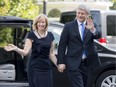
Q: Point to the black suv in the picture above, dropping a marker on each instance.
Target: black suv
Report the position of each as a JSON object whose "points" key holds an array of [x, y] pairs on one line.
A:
{"points": [[13, 66]]}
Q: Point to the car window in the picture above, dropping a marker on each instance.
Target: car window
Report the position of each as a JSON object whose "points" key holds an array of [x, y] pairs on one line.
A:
{"points": [[67, 18], [96, 17], [6, 36], [111, 25]]}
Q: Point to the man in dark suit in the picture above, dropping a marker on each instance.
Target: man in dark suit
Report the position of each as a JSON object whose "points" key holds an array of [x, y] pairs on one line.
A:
{"points": [[76, 49]]}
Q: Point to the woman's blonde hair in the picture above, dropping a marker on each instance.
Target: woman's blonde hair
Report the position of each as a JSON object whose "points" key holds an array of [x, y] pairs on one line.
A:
{"points": [[35, 21]]}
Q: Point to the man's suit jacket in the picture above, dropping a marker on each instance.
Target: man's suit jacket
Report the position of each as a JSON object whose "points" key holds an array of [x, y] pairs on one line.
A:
{"points": [[71, 46]]}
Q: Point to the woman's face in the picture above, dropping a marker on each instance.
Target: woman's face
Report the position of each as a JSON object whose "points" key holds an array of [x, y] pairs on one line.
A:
{"points": [[41, 24], [81, 15]]}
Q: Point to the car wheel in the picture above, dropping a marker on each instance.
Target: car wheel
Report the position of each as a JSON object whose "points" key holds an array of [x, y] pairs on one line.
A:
{"points": [[107, 79]]}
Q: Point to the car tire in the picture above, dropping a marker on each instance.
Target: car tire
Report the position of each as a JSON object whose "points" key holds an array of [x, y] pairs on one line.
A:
{"points": [[107, 79]]}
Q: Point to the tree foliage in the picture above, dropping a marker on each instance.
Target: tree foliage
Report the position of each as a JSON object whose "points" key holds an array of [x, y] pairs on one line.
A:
{"points": [[4, 7], [114, 5], [6, 34], [21, 8]]}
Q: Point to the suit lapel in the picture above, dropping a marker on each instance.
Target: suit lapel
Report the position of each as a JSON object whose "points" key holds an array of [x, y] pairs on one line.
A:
{"points": [[76, 30], [85, 33]]}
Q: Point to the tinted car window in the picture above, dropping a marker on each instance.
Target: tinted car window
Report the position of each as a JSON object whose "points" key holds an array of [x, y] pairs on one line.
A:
{"points": [[67, 16], [111, 25]]}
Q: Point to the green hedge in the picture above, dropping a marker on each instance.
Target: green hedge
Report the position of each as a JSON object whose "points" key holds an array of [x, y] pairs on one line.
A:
{"points": [[54, 13]]}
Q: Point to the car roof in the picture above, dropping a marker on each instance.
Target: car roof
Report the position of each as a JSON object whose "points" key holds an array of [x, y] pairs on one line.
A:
{"points": [[3, 18], [14, 21]]}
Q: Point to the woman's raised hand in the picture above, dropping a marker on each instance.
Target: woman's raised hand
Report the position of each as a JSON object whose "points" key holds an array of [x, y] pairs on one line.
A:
{"points": [[10, 47]]}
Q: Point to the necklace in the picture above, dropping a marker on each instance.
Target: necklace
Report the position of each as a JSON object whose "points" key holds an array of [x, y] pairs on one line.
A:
{"points": [[40, 35]]}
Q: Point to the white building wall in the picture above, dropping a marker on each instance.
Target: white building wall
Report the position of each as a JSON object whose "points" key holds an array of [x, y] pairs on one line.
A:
{"points": [[69, 5]]}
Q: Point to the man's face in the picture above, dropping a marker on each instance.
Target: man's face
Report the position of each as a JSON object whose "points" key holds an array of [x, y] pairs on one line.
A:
{"points": [[81, 15]]}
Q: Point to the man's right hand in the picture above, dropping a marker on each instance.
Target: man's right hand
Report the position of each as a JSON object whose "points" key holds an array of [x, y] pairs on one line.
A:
{"points": [[61, 67]]}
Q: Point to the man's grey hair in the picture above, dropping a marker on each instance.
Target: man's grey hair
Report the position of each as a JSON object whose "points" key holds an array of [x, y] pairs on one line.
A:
{"points": [[83, 7]]}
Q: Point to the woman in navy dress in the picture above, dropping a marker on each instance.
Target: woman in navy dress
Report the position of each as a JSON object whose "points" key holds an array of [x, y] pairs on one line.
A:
{"points": [[40, 42]]}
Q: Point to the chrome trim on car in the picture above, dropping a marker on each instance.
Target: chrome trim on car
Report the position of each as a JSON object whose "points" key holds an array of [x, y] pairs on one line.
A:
{"points": [[106, 55]]}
